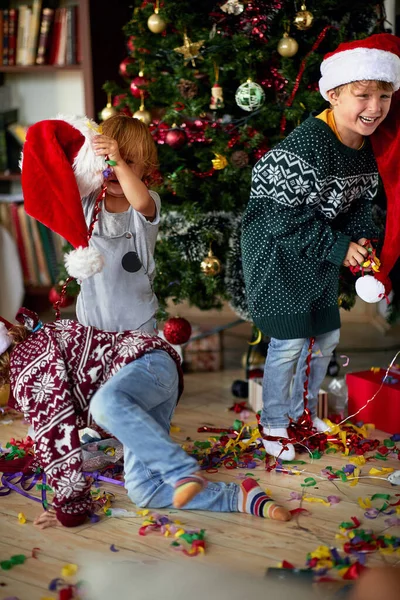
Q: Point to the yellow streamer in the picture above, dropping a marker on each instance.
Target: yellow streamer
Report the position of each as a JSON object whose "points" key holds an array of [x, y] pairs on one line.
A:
{"points": [[258, 340], [314, 499], [69, 570], [381, 471]]}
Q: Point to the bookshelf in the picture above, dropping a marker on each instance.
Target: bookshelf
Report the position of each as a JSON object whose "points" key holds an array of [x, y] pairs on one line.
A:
{"points": [[41, 91]]}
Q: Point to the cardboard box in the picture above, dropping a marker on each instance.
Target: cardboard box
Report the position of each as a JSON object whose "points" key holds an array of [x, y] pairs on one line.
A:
{"points": [[384, 410], [204, 354], [255, 398]]}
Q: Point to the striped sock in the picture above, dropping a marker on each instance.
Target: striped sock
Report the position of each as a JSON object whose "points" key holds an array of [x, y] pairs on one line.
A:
{"points": [[254, 501], [186, 489]]}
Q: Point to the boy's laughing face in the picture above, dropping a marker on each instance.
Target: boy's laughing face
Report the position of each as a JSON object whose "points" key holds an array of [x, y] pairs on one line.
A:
{"points": [[359, 109]]}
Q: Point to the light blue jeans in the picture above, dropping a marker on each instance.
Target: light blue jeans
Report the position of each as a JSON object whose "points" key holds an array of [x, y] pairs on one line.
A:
{"points": [[279, 404], [136, 406]]}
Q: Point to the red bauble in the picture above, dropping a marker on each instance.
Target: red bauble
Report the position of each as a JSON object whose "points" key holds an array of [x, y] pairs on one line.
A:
{"points": [[177, 330], [123, 66], [137, 86], [176, 138], [130, 44], [55, 296]]}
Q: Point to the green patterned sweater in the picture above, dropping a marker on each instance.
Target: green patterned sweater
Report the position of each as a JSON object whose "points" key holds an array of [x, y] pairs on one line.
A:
{"points": [[310, 196]]}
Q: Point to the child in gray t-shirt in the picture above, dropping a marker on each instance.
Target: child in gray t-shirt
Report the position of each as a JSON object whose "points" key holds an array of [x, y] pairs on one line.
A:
{"points": [[121, 296]]}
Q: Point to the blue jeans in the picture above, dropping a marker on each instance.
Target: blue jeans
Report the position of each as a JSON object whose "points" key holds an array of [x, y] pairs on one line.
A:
{"points": [[136, 406], [279, 405]]}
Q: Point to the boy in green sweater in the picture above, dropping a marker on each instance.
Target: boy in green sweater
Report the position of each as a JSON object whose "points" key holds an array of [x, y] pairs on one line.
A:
{"points": [[309, 213]]}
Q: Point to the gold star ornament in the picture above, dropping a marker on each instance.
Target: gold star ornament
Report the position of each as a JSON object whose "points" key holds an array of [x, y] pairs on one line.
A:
{"points": [[190, 50]]}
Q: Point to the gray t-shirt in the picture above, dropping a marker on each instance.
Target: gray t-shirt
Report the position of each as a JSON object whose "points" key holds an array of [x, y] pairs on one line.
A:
{"points": [[121, 296]]}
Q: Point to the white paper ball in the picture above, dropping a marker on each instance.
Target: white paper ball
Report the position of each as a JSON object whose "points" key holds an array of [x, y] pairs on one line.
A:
{"points": [[249, 96], [370, 289]]}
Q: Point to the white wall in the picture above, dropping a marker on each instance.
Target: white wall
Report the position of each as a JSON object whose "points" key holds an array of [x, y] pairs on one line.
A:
{"points": [[44, 95]]}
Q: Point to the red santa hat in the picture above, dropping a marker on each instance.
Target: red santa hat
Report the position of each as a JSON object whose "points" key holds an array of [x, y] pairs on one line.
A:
{"points": [[59, 167], [375, 58]]}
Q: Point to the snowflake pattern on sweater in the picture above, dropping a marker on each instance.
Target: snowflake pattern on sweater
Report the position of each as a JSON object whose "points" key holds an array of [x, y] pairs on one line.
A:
{"points": [[54, 374], [311, 195]]}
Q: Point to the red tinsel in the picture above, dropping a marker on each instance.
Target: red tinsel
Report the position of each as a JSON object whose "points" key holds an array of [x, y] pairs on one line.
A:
{"points": [[289, 101]]}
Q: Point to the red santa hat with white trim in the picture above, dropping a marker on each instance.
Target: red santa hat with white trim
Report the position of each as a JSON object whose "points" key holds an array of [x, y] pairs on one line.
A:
{"points": [[376, 58], [59, 167]]}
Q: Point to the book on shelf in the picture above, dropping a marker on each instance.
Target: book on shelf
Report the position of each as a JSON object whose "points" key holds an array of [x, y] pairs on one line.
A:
{"points": [[39, 32], [39, 249], [44, 36], [12, 35]]}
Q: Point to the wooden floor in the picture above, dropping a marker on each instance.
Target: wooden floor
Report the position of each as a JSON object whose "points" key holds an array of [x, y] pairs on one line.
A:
{"points": [[240, 542]]}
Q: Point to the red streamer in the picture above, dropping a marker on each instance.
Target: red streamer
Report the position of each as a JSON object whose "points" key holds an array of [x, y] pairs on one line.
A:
{"points": [[289, 101]]}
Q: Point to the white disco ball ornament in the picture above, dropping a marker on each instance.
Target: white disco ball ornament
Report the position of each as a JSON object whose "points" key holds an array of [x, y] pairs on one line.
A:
{"points": [[249, 96], [370, 289]]}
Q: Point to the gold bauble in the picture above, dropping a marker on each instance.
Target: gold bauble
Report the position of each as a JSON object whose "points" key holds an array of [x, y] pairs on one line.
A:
{"points": [[287, 46], [143, 115], [210, 265], [156, 24], [304, 19], [107, 112]]}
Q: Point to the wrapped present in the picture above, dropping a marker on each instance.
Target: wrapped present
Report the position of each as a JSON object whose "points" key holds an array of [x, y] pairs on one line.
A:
{"points": [[255, 398], [384, 410], [205, 353]]}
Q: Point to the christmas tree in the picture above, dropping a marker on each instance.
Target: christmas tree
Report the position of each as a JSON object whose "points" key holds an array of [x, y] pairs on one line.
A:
{"points": [[219, 83]]}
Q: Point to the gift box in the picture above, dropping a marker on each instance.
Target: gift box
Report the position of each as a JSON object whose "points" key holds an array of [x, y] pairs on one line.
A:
{"points": [[384, 410], [204, 354], [255, 398]]}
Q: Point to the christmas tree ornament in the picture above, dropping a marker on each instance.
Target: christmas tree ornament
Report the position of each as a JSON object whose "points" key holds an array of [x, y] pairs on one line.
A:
{"points": [[219, 162], [304, 18], [210, 265], [142, 114], [190, 50], [217, 93], [108, 111], [175, 137], [137, 85], [249, 96], [124, 65], [240, 159], [177, 331], [232, 7], [155, 23], [217, 97], [187, 89], [56, 296], [287, 46]]}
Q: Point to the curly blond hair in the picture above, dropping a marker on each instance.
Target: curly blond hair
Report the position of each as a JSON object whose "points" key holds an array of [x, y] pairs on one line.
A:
{"points": [[135, 141], [18, 334]]}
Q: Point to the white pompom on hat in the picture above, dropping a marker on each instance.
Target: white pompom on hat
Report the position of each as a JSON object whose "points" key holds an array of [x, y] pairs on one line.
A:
{"points": [[370, 289]]}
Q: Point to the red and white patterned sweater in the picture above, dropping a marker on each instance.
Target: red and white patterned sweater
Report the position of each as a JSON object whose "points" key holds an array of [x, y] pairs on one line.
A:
{"points": [[54, 374]]}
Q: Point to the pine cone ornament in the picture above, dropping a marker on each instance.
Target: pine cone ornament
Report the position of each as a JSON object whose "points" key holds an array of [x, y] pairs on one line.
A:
{"points": [[240, 159], [187, 89]]}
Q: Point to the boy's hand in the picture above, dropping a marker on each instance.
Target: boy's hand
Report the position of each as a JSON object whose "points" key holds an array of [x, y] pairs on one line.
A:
{"points": [[356, 255], [46, 519], [104, 145]]}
